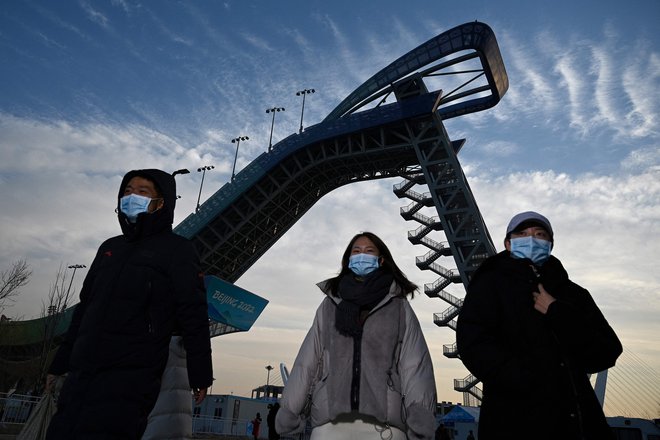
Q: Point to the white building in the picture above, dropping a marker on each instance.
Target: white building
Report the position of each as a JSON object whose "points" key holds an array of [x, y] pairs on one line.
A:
{"points": [[231, 415]]}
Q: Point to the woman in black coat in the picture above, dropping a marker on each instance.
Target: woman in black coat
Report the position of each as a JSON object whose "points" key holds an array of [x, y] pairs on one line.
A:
{"points": [[532, 336]]}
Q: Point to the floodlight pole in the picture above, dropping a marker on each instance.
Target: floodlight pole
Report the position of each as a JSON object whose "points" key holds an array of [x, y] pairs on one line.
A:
{"points": [[272, 124], [304, 93], [203, 171], [237, 141]]}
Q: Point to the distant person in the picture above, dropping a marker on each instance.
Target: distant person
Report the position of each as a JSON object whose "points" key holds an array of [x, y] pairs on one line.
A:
{"points": [[142, 287], [531, 336], [441, 433], [470, 435], [270, 421], [256, 425], [364, 370]]}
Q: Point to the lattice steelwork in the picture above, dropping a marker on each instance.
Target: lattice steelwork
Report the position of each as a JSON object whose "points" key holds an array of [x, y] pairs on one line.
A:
{"points": [[365, 139], [263, 212], [468, 241]]}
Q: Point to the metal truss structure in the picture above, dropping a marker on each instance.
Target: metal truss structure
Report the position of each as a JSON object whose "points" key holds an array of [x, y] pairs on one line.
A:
{"points": [[365, 138]]}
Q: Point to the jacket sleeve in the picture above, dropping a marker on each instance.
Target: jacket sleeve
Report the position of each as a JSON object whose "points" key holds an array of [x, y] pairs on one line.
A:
{"points": [[303, 373], [583, 331], [479, 342], [417, 379], [192, 314], [60, 363], [577, 322]]}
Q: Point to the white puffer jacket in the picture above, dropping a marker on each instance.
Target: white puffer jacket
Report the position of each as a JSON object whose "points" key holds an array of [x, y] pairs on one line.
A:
{"points": [[396, 382], [171, 417]]}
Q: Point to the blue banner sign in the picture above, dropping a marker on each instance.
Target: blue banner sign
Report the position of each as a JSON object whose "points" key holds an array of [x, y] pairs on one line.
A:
{"points": [[231, 305]]}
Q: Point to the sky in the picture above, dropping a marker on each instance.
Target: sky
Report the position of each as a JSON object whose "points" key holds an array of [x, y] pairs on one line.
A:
{"points": [[92, 89]]}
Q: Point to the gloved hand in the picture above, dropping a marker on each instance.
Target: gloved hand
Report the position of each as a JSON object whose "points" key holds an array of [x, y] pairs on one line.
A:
{"points": [[553, 276]]}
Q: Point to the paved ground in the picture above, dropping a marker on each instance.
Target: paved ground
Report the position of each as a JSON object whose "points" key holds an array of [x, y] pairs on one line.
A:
{"points": [[200, 436]]}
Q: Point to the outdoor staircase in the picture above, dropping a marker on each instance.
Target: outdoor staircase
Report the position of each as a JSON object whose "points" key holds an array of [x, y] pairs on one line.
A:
{"points": [[450, 351], [458, 219], [468, 386], [436, 249]]}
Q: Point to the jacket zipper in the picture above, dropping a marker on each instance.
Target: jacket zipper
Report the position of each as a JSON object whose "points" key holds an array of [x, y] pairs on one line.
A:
{"points": [[355, 382]]}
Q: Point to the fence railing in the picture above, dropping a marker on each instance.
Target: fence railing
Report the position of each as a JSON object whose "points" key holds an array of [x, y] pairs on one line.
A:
{"points": [[16, 408], [231, 427]]}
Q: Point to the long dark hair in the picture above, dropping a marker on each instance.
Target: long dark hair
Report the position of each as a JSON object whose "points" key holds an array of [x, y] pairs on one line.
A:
{"points": [[387, 265]]}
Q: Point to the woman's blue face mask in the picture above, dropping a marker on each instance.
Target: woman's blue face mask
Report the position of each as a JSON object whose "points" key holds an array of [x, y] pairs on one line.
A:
{"points": [[363, 264]]}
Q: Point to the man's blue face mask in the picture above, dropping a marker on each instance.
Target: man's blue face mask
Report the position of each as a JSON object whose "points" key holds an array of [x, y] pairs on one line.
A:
{"points": [[134, 204], [362, 264], [532, 248]]}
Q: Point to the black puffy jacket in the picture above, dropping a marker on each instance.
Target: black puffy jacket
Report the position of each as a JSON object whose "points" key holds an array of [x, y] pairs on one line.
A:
{"points": [[142, 287], [534, 367]]}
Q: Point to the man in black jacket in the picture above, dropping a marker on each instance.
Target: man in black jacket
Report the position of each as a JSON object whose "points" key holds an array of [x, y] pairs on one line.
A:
{"points": [[142, 287], [531, 336]]}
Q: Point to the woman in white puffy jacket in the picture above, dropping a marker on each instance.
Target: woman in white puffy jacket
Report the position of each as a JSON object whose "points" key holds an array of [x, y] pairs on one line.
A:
{"points": [[171, 417], [364, 369]]}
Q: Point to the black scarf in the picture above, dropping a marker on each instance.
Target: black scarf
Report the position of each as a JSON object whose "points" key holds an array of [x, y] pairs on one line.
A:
{"points": [[357, 294]]}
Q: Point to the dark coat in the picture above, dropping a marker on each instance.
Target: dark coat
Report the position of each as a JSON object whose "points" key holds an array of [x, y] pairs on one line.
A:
{"points": [[534, 367], [142, 287]]}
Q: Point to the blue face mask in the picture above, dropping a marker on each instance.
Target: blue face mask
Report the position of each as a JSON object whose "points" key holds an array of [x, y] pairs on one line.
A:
{"points": [[134, 204], [362, 264], [532, 248]]}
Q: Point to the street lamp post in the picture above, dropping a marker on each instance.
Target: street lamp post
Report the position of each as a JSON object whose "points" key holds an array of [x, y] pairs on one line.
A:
{"points": [[237, 141], [181, 171], [203, 171], [268, 367], [272, 124], [304, 93], [74, 267]]}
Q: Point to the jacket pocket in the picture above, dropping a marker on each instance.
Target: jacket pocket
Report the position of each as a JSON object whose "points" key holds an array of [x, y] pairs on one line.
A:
{"points": [[395, 404], [320, 406]]}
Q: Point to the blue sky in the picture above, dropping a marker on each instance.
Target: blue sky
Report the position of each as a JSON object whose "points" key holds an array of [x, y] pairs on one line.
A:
{"points": [[91, 89]]}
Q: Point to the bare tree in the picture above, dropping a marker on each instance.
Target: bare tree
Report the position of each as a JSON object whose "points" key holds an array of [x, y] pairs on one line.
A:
{"points": [[59, 294], [53, 311], [11, 280]]}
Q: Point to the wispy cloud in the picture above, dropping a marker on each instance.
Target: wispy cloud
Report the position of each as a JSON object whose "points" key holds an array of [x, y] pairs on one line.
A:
{"points": [[123, 4], [605, 86], [345, 50], [531, 91], [257, 42], [574, 85], [34, 146], [642, 85], [53, 17], [647, 158], [32, 33], [500, 148], [94, 14], [168, 32]]}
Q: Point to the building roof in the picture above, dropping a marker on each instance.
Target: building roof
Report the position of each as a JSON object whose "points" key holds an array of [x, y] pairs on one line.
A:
{"points": [[462, 414]]}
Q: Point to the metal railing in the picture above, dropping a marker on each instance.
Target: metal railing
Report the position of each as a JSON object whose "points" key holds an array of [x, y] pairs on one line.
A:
{"points": [[219, 425], [16, 408], [207, 425]]}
